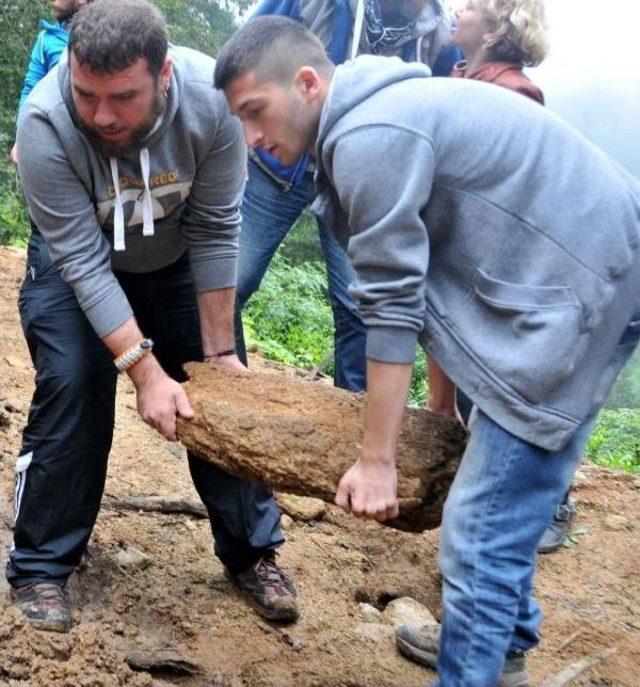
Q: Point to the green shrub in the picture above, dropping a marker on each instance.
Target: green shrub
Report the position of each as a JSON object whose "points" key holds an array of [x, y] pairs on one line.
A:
{"points": [[289, 317], [615, 441]]}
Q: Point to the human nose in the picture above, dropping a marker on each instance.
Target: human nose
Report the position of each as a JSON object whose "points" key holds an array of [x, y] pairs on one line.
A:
{"points": [[103, 115], [252, 134]]}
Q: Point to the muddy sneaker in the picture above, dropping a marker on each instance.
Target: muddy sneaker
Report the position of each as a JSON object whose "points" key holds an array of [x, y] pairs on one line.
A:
{"points": [[45, 605], [557, 530], [269, 589], [421, 643]]}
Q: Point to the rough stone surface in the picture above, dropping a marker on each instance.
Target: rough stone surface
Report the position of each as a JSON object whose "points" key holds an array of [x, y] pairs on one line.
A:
{"points": [[300, 437], [616, 523], [375, 632], [408, 611], [286, 522], [301, 507], [130, 557], [370, 614]]}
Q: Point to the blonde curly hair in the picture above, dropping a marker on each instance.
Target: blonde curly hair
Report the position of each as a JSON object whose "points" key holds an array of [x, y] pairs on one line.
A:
{"points": [[521, 30]]}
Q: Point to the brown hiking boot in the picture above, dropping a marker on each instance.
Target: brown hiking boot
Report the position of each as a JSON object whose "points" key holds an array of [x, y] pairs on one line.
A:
{"points": [[45, 605], [421, 643], [269, 589]]}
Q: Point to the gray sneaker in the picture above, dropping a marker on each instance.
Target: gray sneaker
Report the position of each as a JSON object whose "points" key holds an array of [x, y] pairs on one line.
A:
{"points": [[421, 643], [558, 528], [45, 605]]}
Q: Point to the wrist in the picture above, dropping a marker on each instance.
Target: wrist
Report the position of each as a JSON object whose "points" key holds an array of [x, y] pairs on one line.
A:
{"points": [[377, 458], [143, 370]]}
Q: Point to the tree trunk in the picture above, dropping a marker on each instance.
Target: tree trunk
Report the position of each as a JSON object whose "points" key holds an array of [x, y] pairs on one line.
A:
{"points": [[301, 437]]}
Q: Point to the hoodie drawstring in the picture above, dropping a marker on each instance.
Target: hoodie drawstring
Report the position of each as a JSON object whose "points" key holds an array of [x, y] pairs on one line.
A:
{"points": [[118, 209], [147, 203]]}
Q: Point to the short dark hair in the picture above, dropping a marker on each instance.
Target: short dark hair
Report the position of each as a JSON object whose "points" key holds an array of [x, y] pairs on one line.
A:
{"points": [[110, 35], [275, 47]]}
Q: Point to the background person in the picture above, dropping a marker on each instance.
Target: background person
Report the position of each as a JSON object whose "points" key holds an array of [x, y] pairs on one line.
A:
{"points": [[132, 257], [276, 194], [50, 43], [469, 240]]}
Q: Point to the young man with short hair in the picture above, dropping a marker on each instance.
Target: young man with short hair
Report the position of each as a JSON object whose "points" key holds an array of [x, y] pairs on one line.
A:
{"points": [[277, 194], [133, 169], [513, 260]]}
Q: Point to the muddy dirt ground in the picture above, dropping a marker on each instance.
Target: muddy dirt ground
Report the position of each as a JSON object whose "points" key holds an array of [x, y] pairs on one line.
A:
{"points": [[178, 607]]}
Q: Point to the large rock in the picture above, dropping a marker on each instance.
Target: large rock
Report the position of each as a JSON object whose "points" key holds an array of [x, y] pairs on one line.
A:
{"points": [[408, 611], [301, 507], [300, 437]]}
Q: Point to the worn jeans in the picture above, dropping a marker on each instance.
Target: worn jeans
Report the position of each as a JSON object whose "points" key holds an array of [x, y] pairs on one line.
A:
{"points": [[503, 497], [268, 214], [60, 474]]}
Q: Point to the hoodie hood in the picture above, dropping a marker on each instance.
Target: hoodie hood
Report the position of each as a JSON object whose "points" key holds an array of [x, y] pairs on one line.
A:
{"points": [[356, 81], [55, 28], [352, 84]]}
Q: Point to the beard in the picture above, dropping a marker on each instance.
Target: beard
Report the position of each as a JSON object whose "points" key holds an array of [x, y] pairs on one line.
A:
{"points": [[67, 14], [135, 140]]}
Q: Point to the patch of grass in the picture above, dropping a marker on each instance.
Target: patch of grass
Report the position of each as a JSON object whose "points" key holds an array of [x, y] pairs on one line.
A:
{"points": [[615, 441]]}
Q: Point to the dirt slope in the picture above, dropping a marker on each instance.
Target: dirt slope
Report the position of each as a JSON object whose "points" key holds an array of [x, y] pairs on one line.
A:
{"points": [[182, 607]]}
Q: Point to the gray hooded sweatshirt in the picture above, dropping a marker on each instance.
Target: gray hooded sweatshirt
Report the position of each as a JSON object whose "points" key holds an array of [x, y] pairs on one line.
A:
{"points": [[139, 212], [484, 226]]}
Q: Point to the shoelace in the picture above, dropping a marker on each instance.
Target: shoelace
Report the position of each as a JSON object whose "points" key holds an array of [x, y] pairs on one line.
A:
{"points": [[268, 570], [49, 594]]}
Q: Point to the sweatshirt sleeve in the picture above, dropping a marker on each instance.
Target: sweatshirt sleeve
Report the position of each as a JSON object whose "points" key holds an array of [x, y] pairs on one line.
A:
{"points": [[64, 213], [212, 220], [383, 177]]}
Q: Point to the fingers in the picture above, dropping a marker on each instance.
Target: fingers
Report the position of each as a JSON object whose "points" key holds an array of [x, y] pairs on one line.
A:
{"points": [[160, 409], [162, 422], [343, 497], [183, 407], [371, 506]]}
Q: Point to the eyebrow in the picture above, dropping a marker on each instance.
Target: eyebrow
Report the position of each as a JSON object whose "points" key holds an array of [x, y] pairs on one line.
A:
{"points": [[247, 103], [84, 92]]}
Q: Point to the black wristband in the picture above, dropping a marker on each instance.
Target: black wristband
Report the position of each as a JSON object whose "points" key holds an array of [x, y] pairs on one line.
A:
{"points": [[230, 351]]}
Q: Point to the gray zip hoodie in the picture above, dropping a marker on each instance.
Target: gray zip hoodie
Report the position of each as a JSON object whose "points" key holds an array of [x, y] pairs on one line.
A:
{"points": [[487, 228], [142, 211]]}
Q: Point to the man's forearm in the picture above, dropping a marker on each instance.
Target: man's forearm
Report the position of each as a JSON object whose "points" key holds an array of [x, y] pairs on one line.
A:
{"points": [[216, 309], [124, 337], [387, 389]]}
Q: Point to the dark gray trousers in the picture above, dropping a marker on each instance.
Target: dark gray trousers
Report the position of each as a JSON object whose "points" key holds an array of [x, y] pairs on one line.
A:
{"points": [[63, 462]]}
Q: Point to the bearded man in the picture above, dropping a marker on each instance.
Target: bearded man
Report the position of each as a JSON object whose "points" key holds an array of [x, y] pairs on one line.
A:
{"points": [[133, 169]]}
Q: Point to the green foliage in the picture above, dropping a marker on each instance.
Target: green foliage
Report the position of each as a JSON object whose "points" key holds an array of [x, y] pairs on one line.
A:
{"points": [[615, 441], [289, 317], [626, 392], [200, 24]]}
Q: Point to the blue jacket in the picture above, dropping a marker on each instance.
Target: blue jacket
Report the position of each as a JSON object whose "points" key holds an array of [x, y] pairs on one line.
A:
{"points": [[49, 45], [333, 23]]}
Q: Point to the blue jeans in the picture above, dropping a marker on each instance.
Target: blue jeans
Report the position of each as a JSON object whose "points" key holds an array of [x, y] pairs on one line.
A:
{"points": [[504, 495], [268, 214], [502, 499]]}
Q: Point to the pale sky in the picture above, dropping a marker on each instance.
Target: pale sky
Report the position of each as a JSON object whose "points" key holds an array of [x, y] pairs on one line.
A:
{"points": [[592, 76]]}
